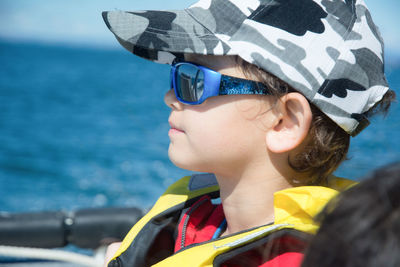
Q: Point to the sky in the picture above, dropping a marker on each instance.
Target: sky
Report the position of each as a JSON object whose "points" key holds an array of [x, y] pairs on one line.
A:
{"points": [[79, 22]]}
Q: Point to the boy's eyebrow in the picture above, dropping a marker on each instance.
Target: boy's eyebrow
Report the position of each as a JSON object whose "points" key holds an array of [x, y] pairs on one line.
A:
{"points": [[197, 59], [209, 61], [206, 60]]}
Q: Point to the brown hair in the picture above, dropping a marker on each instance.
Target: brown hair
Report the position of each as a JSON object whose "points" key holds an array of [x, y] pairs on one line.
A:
{"points": [[327, 144]]}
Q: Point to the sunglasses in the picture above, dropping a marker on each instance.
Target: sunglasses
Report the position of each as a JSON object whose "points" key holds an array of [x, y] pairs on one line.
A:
{"points": [[193, 84]]}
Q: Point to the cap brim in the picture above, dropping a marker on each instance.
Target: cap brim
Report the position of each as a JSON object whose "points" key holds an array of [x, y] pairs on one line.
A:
{"points": [[147, 33]]}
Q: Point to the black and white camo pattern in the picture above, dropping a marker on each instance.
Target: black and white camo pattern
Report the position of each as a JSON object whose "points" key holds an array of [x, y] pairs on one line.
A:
{"points": [[329, 50]]}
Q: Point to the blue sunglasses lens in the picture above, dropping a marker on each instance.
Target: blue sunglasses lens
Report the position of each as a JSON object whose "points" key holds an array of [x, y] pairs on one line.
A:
{"points": [[189, 82]]}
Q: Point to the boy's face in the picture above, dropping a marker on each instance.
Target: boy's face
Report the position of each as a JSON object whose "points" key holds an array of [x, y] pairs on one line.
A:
{"points": [[224, 133]]}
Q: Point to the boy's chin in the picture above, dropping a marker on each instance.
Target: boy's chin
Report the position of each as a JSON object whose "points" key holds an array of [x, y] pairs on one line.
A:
{"points": [[184, 163], [188, 160], [185, 166]]}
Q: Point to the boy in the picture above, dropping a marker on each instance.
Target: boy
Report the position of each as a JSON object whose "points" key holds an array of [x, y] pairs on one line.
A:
{"points": [[265, 95]]}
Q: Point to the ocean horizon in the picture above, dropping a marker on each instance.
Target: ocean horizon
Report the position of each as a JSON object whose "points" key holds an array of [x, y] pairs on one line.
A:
{"points": [[87, 127]]}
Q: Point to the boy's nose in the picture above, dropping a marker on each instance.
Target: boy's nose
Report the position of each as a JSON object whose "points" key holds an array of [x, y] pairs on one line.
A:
{"points": [[171, 101]]}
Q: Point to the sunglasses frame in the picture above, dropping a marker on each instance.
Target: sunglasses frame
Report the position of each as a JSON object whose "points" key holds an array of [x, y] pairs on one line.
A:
{"points": [[216, 84]]}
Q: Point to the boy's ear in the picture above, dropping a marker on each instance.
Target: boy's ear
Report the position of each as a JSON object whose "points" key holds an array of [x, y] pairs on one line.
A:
{"points": [[291, 125]]}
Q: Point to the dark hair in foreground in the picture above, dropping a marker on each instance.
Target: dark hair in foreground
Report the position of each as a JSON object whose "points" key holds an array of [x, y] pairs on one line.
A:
{"points": [[361, 227], [327, 144]]}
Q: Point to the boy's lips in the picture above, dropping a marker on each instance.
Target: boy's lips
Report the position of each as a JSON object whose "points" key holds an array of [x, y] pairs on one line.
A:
{"points": [[174, 128]]}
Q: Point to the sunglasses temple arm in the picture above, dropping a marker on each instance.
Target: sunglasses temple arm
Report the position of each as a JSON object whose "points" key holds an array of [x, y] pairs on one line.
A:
{"points": [[237, 86]]}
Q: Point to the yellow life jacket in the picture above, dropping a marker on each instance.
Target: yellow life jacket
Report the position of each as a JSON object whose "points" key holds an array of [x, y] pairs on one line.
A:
{"points": [[294, 210]]}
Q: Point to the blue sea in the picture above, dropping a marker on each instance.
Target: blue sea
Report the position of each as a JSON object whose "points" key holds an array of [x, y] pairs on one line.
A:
{"points": [[87, 127]]}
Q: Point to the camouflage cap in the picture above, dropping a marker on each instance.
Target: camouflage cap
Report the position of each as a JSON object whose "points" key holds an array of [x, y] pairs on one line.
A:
{"points": [[329, 50]]}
